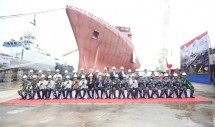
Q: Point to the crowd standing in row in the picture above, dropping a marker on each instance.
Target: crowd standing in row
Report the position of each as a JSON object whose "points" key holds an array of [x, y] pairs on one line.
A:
{"points": [[129, 85]]}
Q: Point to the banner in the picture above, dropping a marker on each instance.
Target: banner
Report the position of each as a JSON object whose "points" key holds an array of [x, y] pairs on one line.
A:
{"points": [[194, 55]]}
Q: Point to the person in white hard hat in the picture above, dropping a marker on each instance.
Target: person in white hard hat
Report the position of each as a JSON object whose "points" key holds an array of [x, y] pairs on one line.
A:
{"points": [[90, 84], [108, 86], [90, 73], [82, 87], [39, 74], [128, 76], [123, 86], [24, 87], [137, 74], [133, 87], [99, 85], [170, 76], [41, 86], [116, 85], [66, 73], [30, 75], [96, 74], [58, 86], [57, 74], [67, 85], [48, 72], [141, 85], [145, 73], [158, 83], [121, 73], [75, 86], [160, 74], [33, 86], [51, 85], [147, 86], [154, 88], [152, 74], [113, 73], [81, 73], [186, 84], [166, 85], [175, 86], [104, 73]]}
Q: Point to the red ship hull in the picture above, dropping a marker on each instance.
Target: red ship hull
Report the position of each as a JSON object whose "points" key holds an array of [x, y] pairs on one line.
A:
{"points": [[100, 44]]}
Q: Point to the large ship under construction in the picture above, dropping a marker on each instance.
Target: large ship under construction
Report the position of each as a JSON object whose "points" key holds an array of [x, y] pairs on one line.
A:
{"points": [[101, 44]]}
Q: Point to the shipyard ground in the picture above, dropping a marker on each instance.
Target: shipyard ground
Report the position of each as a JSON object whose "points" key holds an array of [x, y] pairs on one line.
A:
{"points": [[108, 114]]}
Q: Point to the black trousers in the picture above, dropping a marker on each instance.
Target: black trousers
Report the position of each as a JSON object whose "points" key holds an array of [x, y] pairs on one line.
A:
{"points": [[97, 92]]}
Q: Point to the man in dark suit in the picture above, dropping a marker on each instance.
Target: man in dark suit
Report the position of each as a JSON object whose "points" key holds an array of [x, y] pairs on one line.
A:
{"points": [[113, 73], [99, 85], [121, 73]]}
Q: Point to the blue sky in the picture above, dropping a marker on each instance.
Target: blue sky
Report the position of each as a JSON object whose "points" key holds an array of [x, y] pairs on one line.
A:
{"points": [[187, 19]]}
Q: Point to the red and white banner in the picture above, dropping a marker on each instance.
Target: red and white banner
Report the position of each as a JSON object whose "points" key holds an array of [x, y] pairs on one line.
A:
{"points": [[194, 55]]}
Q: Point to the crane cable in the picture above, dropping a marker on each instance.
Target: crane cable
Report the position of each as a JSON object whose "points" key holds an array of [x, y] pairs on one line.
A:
{"points": [[31, 13]]}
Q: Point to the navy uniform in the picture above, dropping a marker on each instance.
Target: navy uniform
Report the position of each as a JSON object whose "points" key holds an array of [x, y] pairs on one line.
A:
{"points": [[146, 87], [133, 87], [81, 73], [137, 74], [116, 85], [75, 85], [158, 84], [175, 86], [123, 86], [25, 86], [58, 86], [83, 86], [33, 86], [165, 85], [67, 87], [90, 85], [108, 84], [141, 85], [99, 85], [187, 85]]}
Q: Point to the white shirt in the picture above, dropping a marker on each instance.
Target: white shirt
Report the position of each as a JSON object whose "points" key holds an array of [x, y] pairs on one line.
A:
{"points": [[83, 84], [67, 84], [42, 84], [133, 83], [50, 84]]}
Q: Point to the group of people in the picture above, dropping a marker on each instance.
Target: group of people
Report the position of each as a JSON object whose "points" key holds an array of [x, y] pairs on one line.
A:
{"points": [[105, 84]]}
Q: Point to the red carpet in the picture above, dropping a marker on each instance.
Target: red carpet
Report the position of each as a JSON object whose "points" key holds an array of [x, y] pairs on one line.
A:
{"points": [[197, 99]]}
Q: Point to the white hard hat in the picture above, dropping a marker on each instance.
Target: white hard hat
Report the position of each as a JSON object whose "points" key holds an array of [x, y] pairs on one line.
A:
{"points": [[121, 68], [24, 76], [156, 74], [159, 69], [97, 71], [124, 75], [42, 76], [129, 70], [90, 75], [58, 76], [75, 76], [31, 71], [66, 71], [49, 76], [40, 71], [105, 68], [34, 76], [83, 76], [116, 75], [137, 69], [132, 75], [165, 75], [184, 73], [175, 74], [57, 70], [82, 69], [67, 76], [91, 69], [48, 70], [108, 75], [113, 68]]}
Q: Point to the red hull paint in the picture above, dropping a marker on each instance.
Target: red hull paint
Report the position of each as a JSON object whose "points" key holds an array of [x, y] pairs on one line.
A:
{"points": [[110, 48]]}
